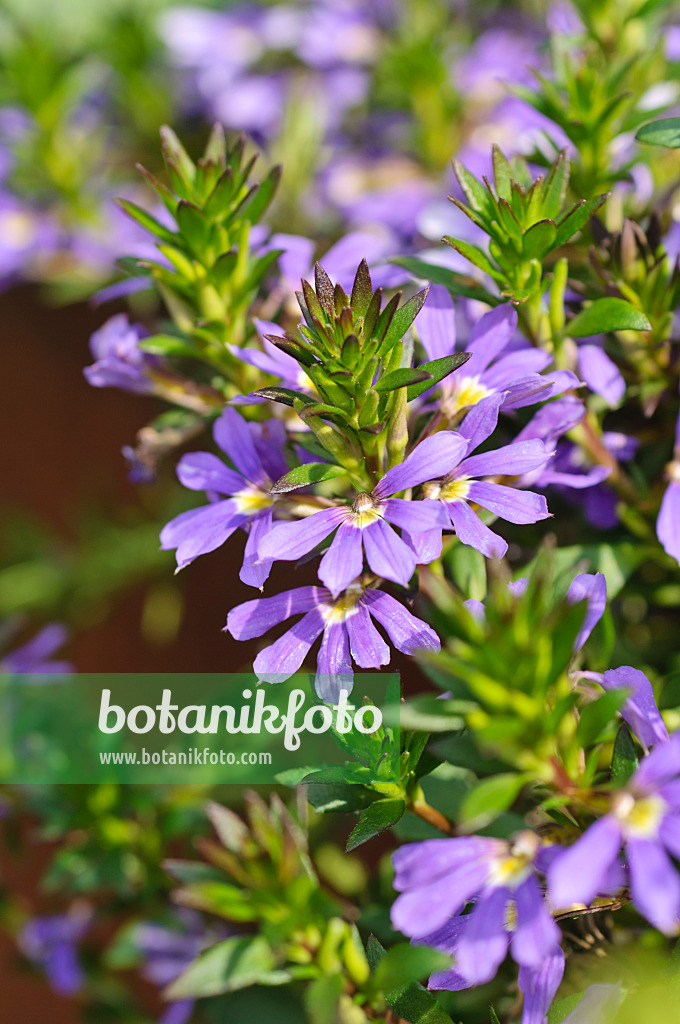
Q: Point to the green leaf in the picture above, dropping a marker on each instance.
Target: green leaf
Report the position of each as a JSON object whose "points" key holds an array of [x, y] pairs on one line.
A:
{"points": [[490, 798], [350, 775], [283, 395], [404, 964], [258, 203], [555, 187], [412, 1003], [230, 965], [494, 1016], [475, 193], [170, 345], [474, 254], [381, 815], [231, 830], [362, 290], [193, 226], [402, 320], [661, 133], [605, 315], [148, 222], [502, 173], [339, 799], [577, 218], [624, 756], [595, 717], [177, 157], [305, 476], [437, 369], [539, 240], [321, 999], [563, 1007], [459, 284], [403, 378]]}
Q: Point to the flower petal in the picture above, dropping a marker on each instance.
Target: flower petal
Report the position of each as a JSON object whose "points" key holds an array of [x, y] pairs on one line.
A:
{"points": [[387, 554], [232, 435], [427, 545], [484, 944], [434, 457], [659, 767], [471, 530], [481, 421], [600, 374], [540, 987], [344, 560], [253, 618], [668, 523], [654, 883], [578, 874], [592, 588], [288, 541], [415, 516], [509, 503], [334, 665], [200, 530], [437, 323], [406, 632], [640, 710], [489, 337], [203, 471], [255, 571], [278, 662], [366, 645], [511, 460], [420, 911], [536, 932]]}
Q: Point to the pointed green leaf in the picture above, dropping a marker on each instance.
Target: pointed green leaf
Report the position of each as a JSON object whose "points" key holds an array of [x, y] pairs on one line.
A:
{"points": [[502, 173], [403, 378], [598, 715], [438, 369], [539, 240], [193, 226], [403, 964], [402, 320], [175, 154], [412, 1002], [555, 187], [381, 815], [305, 476], [605, 315], [146, 220], [258, 203], [230, 965], [490, 798], [283, 395], [362, 290], [459, 284], [473, 254], [171, 345], [624, 757], [661, 133], [475, 193], [577, 218]]}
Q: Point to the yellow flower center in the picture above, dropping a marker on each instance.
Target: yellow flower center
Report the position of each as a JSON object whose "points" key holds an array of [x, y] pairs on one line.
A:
{"points": [[365, 510], [465, 391], [251, 500], [455, 490], [640, 817], [511, 868], [346, 605], [17, 229]]}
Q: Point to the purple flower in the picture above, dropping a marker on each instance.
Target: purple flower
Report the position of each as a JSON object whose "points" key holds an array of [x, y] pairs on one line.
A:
{"points": [[119, 361], [167, 952], [349, 634], [438, 877], [640, 710], [459, 486], [492, 369], [668, 523], [366, 526], [601, 374], [271, 359], [36, 655], [52, 943], [249, 504], [592, 588], [539, 986], [645, 820], [26, 235]]}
